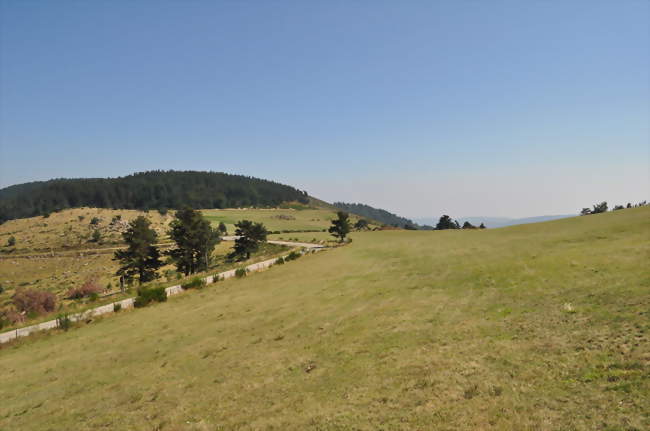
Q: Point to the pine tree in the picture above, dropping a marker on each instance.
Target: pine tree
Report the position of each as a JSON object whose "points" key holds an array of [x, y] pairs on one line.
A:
{"points": [[340, 226], [249, 236], [195, 241], [446, 222], [142, 257]]}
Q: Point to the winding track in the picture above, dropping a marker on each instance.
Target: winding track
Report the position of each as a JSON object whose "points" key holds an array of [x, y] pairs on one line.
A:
{"points": [[172, 290]]}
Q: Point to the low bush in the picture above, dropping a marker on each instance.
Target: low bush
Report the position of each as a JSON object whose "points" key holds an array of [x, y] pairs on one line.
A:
{"points": [[216, 278], [241, 272], [279, 261], [117, 307], [195, 283], [11, 317], [149, 295], [293, 256], [63, 321], [34, 301], [90, 288]]}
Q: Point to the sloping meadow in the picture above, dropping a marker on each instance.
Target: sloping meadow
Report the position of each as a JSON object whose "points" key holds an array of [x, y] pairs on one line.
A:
{"points": [[540, 326]]}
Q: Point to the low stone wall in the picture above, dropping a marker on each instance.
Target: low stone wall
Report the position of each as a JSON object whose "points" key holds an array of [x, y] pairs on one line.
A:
{"points": [[128, 303]]}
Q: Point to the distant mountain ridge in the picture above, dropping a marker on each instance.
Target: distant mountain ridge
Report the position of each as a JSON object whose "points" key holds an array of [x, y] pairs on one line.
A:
{"points": [[494, 222], [379, 215], [145, 190]]}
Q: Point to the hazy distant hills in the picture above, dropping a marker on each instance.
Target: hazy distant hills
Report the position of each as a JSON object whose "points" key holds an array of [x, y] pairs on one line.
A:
{"points": [[378, 214], [492, 222]]}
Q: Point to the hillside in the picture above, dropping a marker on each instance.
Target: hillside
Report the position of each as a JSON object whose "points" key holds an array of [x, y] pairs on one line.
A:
{"points": [[538, 326], [377, 214], [143, 191]]}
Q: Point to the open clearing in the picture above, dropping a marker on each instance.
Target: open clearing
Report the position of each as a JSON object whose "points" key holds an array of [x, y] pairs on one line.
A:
{"points": [[542, 326]]}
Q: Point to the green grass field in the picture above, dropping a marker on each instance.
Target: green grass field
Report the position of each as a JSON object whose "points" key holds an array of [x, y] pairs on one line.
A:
{"points": [[276, 219], [533, 327]]}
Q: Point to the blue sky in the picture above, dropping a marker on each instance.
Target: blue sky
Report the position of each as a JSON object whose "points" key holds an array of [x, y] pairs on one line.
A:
{"points": [[504, 108]]}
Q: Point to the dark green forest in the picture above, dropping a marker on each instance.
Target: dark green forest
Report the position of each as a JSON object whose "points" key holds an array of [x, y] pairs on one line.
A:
{"points": [[379, 215], [145, 191]]}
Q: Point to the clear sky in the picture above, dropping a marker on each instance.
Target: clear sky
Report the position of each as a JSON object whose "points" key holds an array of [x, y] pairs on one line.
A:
{"points": [[503, 108]]}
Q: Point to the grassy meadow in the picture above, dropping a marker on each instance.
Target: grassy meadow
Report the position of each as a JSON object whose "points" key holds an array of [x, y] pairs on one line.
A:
{"points": [[288, 219], [56, 253], [533, 327]]}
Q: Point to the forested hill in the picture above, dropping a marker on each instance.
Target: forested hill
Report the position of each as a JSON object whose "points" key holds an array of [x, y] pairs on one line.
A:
{"points": [[145, 190], [378, 214]]}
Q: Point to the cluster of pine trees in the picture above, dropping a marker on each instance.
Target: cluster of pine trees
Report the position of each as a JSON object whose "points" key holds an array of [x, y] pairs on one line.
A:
{"points": [[445, 222], [144, 191], [195, 240], [602, 207]]}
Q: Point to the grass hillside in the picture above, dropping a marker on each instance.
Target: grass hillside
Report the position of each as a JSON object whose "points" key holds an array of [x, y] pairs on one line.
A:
{"points": [[533, 327]]}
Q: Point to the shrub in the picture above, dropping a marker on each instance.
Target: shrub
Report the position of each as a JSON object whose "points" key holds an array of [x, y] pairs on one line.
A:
{"points": [[162, 211], [117, 306], [11, 241], [215, 278], [12, 317], [81, 218], [241, 272], [46, 215], [2, 289], [97, 236], [63, 321], [148, 295], [195, 283], [94, 221], [34, 301], [88, 289], [293, 256], [94, 296], [279, 261]]}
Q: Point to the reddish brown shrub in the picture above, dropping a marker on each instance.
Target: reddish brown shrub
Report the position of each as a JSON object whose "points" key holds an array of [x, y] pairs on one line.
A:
{"points": [[12, 316], [90, 287], [34, 300]]}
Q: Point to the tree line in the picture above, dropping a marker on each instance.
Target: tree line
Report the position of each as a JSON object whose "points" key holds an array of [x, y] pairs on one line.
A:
{"points": [[380, 215], [144, 191], [195, 239], [602, 207]]}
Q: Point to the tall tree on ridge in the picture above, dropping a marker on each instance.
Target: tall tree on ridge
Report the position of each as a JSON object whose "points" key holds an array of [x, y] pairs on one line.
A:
{"points": [[340, 226], [195, 240], [142, 257]]}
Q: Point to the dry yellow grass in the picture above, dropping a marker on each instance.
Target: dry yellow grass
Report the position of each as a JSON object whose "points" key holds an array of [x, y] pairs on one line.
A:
{"points": [[397, 331]]}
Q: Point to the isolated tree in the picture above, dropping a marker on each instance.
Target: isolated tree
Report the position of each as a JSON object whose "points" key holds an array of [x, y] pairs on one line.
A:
{"points": [[340, 226], [585, 211], [445, 222], [195, 240], [468, 225], [629, 205], [361, 224], [11, 241], [223, 230], [482, 226], [249, 236], [142, 257], [599, 208]]}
